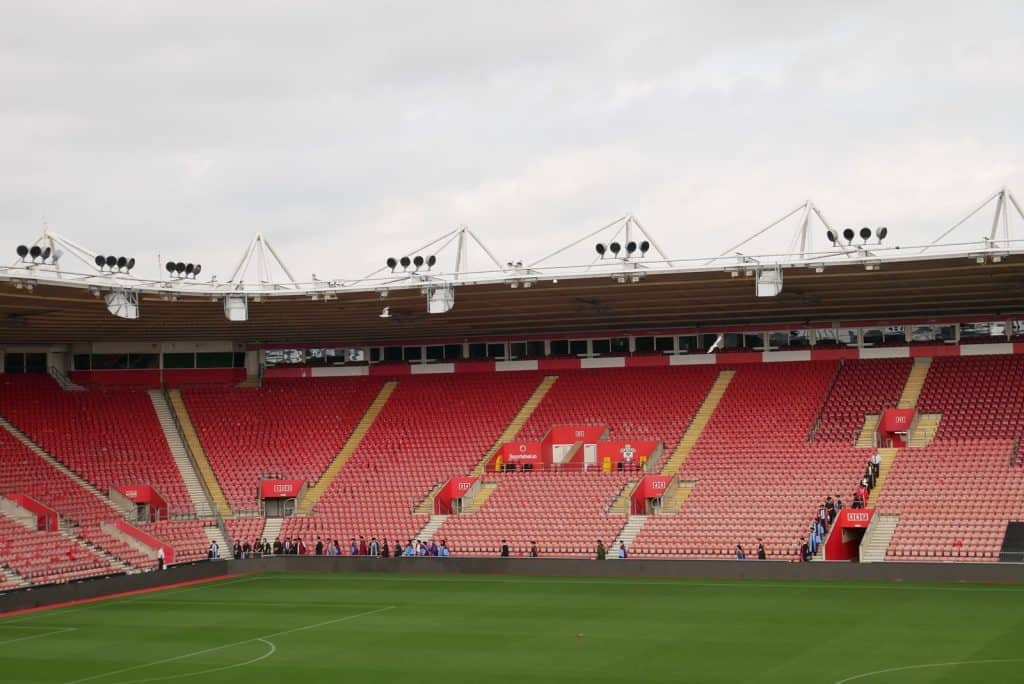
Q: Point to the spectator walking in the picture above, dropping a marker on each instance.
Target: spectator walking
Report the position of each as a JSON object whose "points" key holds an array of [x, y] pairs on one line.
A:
{"points": [[740, 555], [602, 553], [160, 558], [623, 553], [761, 554], [504, 548]]}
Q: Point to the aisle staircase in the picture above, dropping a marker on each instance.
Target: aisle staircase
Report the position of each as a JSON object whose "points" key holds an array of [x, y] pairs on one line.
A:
{"points": [[621, 504], [483, 493], [216, 534], [877, 537], [517, 423], [195, 448], [888, 456], [426, 507], [113, 561], [430, 529], [672, 502], [626, 535], [314, 493], [867, 436], [196, 492], [915, 383], [272, 529], [11, 577], [699, 422], [923, 429]]}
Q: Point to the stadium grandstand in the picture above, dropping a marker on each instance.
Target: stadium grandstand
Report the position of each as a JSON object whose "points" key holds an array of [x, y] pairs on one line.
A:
{"points": [[645, 402]]}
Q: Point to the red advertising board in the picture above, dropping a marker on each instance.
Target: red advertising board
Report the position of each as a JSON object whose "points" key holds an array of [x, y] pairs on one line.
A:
{"points": [[570, 434], [519, 453], [626, 451], [280, 489]]}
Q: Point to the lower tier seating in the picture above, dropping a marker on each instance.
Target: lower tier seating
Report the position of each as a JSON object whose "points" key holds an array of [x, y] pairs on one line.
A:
{"points": [[47, 557]]}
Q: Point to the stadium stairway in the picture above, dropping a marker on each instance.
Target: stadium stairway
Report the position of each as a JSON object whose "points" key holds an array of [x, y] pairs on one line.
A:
{"points": [[482, 495], [621, 504], [866, 438], [517, 422], [426, 507], [888, 456], [215, 534], [46, 456], [195, 447], [9, 579], [877, 537], [272, 529], [626, 535], [193, 484], [314, 493], [699, 422], [673, 502], [915, 383], [923, 429], [428, 531], [116, 563]]}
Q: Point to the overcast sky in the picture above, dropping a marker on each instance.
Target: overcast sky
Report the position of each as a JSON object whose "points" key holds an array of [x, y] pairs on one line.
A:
{"points": [[348, 132]]}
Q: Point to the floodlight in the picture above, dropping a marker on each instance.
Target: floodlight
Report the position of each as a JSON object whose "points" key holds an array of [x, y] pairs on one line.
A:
{"points": [[35, 252], [122, 262], [405, 261], [431, 260], [849, 234], [22, 251], [236, 308], [131, 263], [644, 246], [170, 266], [630, 247], [111, 261], [417, 261], [615, 248], [833, 237], [392, 262], [189, 269], [881, 232], [865, 233], [600, 249], [46, 253], [197, 270], [100, 261]]}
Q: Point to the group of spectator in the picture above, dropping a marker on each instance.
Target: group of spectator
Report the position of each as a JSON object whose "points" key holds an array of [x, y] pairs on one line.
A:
{"points": [[333, 547], [761, 553], [829, 510]]}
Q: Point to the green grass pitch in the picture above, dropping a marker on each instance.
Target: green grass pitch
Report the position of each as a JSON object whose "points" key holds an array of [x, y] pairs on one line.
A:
{"points": [[312, 628]]}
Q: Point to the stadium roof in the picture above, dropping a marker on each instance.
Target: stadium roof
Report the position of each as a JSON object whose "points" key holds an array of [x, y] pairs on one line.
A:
{"points": [[638, 289]]}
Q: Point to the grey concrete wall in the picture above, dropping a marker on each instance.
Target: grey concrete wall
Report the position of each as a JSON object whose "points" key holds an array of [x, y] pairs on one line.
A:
{"points": [[727, 569], [36, 597]]}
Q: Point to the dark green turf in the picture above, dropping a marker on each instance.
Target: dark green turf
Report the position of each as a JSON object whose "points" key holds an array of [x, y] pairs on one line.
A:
{"points": [[398, 628]]}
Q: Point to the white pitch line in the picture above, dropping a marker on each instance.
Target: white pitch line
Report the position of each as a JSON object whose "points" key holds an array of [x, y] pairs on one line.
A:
{"points": [[272, 651], [54, 630], [236, 643], [956, 663]]}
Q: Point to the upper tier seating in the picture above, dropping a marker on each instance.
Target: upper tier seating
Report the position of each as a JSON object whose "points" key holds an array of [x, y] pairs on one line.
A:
{"points": [[979, 397], [108, 436], [289, 428], [565, 513], [860, 388], [635, 403], [432, 428], [756, 475]]}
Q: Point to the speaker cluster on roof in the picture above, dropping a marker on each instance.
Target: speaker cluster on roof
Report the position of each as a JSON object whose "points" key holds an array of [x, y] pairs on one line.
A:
{"points": [[416, 262], [179, 269], [849, 234], [38, 255], [115, 264], [619, 250]]}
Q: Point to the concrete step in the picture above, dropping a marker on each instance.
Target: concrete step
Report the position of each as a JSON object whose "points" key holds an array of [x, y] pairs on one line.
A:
{"points": [[116, 563], [888, 457], [215, 534], [868, 433], [478, 501], [431, 527], [877, 537], [626, 535], [426, 507], [193, 484], [203, 468], [272, 529], [9, 575], [914, 383], [621, 504]]}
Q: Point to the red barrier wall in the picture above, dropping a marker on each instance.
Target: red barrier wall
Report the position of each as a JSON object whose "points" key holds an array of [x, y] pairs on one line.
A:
{"points": [[840, 546], [455, 488], [649, 487], [147, 539], [46, 517]]}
